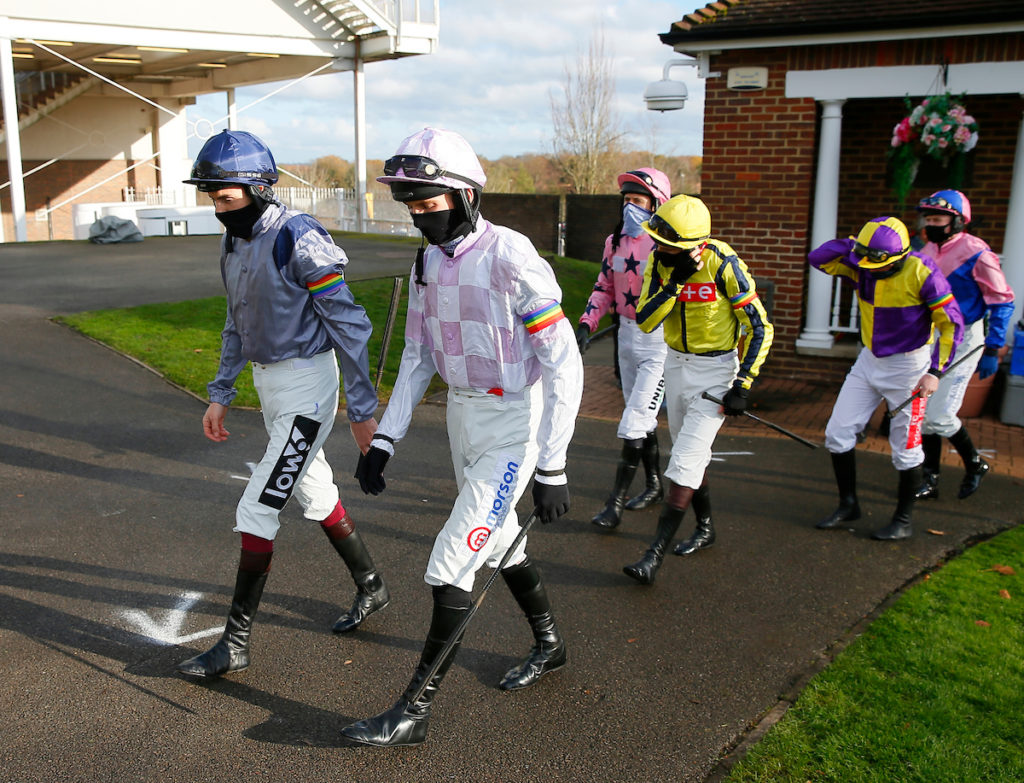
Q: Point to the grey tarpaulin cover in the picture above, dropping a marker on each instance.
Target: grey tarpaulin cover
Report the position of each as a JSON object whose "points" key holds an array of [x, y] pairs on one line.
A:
{"points": [[110, 228]]}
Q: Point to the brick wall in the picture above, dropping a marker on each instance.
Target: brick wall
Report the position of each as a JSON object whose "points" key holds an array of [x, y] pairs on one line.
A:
{"points": [[757, 180], [863, 182], [64, 179], [760, 158]]}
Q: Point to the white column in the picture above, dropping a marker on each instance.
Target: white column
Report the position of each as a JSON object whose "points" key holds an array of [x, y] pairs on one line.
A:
{"points": [[1013, 240], [232, 109], [172, 158], [816, 334], [13, 136], [359, 95]]}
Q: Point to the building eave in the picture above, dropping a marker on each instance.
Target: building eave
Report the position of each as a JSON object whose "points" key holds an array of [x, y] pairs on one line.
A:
{"points": [[698, 45]]}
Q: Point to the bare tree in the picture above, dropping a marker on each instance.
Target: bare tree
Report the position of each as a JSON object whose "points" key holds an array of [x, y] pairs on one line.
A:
{"points": [[585, 123]]}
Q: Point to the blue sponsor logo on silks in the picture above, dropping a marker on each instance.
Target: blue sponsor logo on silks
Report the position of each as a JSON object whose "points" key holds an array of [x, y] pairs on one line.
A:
{"points": [[503, 495]]}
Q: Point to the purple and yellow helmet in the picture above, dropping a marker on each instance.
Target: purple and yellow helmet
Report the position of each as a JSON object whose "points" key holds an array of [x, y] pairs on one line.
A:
{"points": [[882, 241]]}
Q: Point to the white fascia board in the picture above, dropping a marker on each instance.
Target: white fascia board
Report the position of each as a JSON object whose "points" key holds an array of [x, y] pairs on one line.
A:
{"points": [[183, 39], [831, 39], [225, 78], [899, 80], [221, 79]]}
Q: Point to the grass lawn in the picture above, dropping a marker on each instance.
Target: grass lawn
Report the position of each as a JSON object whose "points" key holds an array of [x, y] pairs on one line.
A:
{"points": [[931, 692], [181, 340]]}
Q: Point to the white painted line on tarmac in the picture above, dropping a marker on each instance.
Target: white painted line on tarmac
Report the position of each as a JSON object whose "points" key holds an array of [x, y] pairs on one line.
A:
{"points": [[252, 469], [169, 631], [717, 456]]}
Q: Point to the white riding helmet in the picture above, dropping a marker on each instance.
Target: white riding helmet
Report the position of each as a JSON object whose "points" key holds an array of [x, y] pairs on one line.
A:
{"points": [[434, 156]]}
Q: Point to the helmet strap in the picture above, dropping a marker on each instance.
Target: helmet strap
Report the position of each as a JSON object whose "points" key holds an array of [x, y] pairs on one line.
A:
{"points": [[419, 261]]}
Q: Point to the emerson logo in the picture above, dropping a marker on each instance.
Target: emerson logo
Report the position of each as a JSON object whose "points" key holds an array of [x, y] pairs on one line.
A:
{"points": [[289, 465], [506, 485]]}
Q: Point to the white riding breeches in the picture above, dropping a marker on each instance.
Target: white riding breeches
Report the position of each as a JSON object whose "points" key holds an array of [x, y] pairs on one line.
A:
{"points": [[693, 421], [871, 380], [642, 367], [494, 451], [299, 398], [941, 417]]}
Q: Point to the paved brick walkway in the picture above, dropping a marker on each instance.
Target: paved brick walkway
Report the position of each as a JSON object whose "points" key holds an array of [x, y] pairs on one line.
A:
{"points": [[803, 409]]}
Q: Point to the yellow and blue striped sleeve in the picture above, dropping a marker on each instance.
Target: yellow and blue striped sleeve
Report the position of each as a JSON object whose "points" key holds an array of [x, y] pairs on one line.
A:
{"points": [[750, 312], [657, 297]]}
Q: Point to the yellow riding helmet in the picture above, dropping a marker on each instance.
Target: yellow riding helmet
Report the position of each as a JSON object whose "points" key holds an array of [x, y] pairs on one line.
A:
{"points": [[682, 221], [881, 242]]}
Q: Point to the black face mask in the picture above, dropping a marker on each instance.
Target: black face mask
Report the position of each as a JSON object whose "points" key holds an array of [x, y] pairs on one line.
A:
{"points": [[239, 222], [440, 228], [937, 234], [681, 264], [881, 274]]}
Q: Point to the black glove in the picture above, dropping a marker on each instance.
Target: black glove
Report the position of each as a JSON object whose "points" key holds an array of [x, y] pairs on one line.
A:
{"points": [[681, 266], [550, 501], [582, 337], [370, 470], [734, 402]]}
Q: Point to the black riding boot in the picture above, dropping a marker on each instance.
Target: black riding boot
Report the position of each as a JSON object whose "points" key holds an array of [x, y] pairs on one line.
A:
{"points": [[653, 492], [974, 465], [704, 534], [932, 446], [610, 516], [231, 653], [548, 651], [900, 528], [406, 722], [844, 465], [371, 592], [645, 569]]}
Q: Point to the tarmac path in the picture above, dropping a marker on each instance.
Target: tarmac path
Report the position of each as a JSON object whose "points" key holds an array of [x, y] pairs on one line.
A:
{"points": [[117, 561]]}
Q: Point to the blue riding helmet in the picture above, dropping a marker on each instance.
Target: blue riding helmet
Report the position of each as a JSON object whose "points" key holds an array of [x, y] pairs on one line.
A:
{"points": [[233, 157]]}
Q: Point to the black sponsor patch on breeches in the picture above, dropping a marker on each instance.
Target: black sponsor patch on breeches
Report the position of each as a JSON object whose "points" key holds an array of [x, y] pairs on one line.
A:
{"points": [[289, 465]]}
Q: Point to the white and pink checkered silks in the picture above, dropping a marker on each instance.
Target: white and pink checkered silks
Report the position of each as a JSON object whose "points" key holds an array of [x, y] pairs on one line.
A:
{"points": [[489, 320]]}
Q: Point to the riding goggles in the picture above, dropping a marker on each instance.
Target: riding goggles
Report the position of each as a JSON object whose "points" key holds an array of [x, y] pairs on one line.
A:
{"points": [[936, 202], [643, 176], [421, 167], [663, 230], [876, 255]]}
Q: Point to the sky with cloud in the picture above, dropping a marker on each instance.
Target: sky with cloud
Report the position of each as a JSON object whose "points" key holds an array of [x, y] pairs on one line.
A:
{"points": [[496, 69]]}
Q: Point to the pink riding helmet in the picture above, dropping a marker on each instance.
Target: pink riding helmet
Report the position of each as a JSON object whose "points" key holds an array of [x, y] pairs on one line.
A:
{"points": [[653, 181]]}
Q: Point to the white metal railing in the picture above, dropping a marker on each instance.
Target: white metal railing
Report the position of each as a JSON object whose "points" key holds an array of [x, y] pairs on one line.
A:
{"points": [[151, 196], [845, 312], [335, 208], [341, 19]]}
